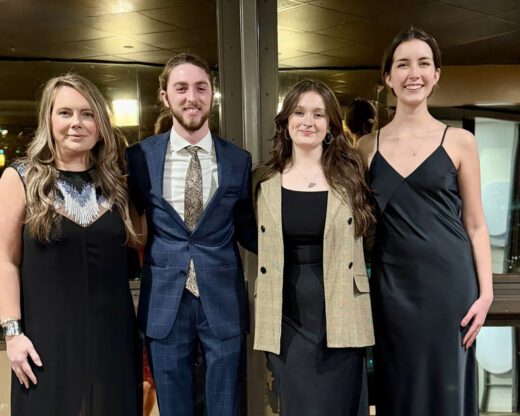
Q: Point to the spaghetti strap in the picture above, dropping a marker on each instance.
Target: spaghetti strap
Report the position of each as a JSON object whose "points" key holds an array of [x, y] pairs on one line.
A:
{"points": [[444, 135], [378, 131]]}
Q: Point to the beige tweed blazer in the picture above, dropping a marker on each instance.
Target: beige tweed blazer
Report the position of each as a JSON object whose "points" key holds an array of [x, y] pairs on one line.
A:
{"points": [[347, 297]]}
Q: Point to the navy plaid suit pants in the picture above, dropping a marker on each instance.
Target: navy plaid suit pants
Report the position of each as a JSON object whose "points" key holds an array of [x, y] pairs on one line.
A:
{"points": [[172, 361]]}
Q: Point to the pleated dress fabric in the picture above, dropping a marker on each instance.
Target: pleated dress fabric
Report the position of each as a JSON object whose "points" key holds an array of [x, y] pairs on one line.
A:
{"points": [[423, 283], [77, 310], [309, 378]]}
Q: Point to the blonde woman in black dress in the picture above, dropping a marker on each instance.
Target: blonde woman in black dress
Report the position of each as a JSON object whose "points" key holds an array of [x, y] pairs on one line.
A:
{"points": [[431, 274], [65, 302]]}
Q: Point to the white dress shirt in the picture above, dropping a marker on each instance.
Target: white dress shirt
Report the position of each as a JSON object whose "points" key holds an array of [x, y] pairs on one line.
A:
{"points": [[176, 166]]}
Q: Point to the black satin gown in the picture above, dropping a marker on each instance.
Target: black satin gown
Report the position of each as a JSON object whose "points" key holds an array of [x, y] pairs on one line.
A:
{"points": [[423, 283], [309, 378]]}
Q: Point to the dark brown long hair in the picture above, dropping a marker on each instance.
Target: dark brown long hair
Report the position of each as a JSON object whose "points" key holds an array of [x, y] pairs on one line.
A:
{"points": [[342, 165]]}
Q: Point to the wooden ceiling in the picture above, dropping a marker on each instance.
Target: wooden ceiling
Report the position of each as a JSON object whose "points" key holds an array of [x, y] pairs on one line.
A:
{"points": [[312, 33]]}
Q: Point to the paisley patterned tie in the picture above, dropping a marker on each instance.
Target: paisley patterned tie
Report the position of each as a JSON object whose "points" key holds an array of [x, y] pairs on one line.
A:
{"points": [[193, 207]]}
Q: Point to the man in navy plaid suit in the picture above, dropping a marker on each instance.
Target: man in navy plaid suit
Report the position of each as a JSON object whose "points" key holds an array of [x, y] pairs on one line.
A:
{"points": [[195, 190]]}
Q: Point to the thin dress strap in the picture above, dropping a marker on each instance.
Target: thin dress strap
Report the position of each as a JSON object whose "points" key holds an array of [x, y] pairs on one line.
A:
{"points": [[378, 131], [444, 135]]}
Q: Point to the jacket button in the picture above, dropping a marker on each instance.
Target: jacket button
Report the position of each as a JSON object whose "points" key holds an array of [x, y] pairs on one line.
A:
{"points": [[263, 270], [350, 265], [350, 221], [262, 228]]}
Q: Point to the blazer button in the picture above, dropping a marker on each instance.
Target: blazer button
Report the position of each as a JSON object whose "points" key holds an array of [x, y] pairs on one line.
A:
{"points": [[263, 270], [350, 265], [350, 221], [262, 228]]}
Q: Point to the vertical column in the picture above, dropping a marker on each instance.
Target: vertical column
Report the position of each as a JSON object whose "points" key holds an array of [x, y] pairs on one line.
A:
{"points": [[268, 72], [248, 71], [230, 71]]}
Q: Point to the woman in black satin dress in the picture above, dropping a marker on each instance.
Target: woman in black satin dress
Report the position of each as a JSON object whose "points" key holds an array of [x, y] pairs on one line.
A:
{"points": [[65, 301], [431, 276], [312, 306]]}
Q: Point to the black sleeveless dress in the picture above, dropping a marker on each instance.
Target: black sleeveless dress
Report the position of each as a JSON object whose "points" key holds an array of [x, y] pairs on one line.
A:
{"points": [[423, 283], [77, 310], [310, 378]]}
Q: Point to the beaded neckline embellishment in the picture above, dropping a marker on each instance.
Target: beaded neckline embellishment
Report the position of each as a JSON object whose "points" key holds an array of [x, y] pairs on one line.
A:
{"points": [[81, 206], [76, 196]]}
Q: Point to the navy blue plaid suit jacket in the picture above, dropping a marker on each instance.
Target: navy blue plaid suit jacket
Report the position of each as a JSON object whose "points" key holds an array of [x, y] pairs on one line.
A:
{"points": [[228, 218]]}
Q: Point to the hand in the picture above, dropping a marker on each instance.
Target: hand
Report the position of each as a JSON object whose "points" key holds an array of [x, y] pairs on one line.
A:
{"points": [[18, 348], [476, 315]]}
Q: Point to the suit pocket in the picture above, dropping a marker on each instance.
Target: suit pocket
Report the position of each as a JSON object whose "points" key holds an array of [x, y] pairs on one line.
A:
{"points": [[232, 191], [361, 283]]}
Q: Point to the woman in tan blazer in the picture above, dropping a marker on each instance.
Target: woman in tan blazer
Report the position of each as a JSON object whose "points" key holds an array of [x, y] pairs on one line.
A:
{"points": [[312, 301]]}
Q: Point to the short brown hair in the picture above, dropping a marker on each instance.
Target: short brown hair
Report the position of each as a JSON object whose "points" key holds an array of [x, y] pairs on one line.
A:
{"points": [[183, 58]]}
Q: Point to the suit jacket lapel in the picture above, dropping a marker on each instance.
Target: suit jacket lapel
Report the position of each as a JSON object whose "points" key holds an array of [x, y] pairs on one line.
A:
{"points": [[224, 168], [157, 173]]}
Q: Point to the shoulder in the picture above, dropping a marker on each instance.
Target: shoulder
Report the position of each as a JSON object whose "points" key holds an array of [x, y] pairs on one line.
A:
{"points": [[151, 141], [147, 146], [231, 148], [238, 156], [367, 143], [12, 180], [20, 167], [460, 138], [366, 146]]}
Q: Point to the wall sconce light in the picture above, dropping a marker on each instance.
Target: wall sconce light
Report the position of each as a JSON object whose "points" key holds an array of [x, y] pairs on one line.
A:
{"points": [[126, 113]]}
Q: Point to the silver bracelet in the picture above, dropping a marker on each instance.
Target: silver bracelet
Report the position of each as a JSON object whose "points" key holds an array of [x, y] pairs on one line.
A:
{"points": [[11, 327]]}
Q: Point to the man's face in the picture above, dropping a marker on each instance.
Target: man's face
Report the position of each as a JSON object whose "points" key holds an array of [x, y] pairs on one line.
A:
{"points": [[189, 96]]}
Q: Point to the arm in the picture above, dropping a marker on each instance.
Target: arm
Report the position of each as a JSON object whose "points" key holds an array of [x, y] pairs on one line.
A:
{"points": [[475, 224], [245, 223], [366, 147], [12, 212], [140, 227]]}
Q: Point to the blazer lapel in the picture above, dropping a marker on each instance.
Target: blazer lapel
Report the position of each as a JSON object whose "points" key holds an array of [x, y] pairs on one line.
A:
{"points": [[157, 173], [272, 190], [224, 168], [333, 203]]}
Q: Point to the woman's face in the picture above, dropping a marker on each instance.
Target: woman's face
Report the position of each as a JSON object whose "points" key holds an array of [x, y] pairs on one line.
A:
{"points": [[413, 74], [309, 123], [73, 126]]}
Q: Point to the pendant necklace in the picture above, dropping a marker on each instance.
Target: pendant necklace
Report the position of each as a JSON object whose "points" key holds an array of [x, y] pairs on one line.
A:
{"points": [[414, 152], [311, 183]]}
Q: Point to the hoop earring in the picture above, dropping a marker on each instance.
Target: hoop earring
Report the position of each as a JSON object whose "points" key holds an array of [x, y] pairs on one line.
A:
{"points": [[287, 136], [329, 137]]}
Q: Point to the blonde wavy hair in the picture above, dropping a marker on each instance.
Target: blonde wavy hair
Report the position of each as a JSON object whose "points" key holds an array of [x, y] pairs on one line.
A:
{"points": [[41, 173]]}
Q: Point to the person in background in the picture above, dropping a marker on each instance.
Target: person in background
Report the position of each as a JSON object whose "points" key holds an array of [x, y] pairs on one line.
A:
{"points": [[312, 301], [195, 190], [431, 265], [361, 119], [164, 122], [65, 303]]}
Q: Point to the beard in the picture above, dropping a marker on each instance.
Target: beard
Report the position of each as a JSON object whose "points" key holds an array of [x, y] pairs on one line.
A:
{"points": [[193, 124]]}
